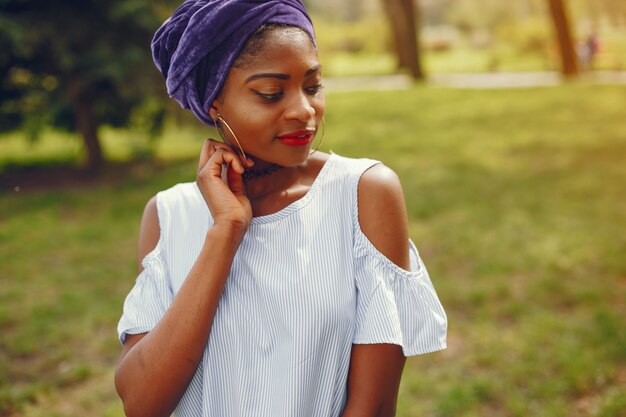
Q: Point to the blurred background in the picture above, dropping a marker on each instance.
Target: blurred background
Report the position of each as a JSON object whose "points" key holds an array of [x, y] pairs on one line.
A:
{"points": [[505, 121]]}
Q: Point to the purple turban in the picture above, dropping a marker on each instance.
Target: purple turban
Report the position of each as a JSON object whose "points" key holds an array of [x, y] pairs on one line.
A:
{"points": [[207, 36]]}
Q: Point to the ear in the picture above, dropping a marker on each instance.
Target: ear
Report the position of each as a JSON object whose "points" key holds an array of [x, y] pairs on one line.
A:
{"points": [[214, 110]]}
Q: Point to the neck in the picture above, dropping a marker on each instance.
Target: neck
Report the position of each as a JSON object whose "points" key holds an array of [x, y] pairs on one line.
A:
{"points": [[267, 178], [252, 174]]}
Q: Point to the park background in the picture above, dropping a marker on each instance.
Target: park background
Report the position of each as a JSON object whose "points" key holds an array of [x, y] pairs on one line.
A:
{"points": [[513, 166]]}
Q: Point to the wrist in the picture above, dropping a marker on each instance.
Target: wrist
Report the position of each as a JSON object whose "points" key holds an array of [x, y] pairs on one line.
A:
{"points": [[229, 230]]}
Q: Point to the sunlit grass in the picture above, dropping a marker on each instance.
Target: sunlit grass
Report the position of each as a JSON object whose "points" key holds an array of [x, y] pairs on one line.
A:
{"points": [[449, 61], [347, 64], [56, 147], [498, 58], [52, 148], [516, 202]]}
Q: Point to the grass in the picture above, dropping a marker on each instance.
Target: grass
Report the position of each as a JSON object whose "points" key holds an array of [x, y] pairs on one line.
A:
{"points": [[55, 148], [516, 201], [502, 57]]}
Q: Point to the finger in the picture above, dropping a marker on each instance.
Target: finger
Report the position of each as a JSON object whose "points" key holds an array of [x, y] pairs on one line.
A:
{"points": [[205, 154], [235, 181], [216, 144], [220, 157], [233, 160], [208, 149], [246, 161]]}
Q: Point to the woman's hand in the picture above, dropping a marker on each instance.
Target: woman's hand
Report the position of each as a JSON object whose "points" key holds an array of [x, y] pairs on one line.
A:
{"points": [[178, 341], [227, 202]]}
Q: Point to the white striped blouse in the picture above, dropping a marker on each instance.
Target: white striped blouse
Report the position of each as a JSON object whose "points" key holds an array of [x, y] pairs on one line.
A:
{"points": [[305, 285]]}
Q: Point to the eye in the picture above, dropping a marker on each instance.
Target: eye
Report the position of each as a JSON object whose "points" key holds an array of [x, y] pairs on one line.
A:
{"points": [[269, 97], [314, 89]]}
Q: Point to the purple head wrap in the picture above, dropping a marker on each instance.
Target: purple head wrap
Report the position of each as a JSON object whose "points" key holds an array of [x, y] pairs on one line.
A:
{"points": [[207, 36]]}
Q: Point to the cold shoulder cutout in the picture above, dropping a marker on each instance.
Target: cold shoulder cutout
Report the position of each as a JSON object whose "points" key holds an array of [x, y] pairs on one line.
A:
{"points": [[394, 305]]}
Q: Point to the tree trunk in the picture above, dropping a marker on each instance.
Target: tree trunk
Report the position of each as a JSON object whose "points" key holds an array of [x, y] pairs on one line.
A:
{"points": [[88, 128], [567, 49], [402, 19], [417, 29]]}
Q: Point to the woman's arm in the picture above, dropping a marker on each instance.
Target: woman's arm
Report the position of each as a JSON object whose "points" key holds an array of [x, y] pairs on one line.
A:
{"points": [[373, 380], [156, 367], [376, 369]]}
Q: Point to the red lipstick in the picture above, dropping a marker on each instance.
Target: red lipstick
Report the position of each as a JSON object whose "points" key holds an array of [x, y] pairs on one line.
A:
{"points": [[297, 137]]}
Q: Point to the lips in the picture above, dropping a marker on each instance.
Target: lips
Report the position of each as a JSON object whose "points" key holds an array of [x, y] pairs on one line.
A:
{"points": [[297, 138]]}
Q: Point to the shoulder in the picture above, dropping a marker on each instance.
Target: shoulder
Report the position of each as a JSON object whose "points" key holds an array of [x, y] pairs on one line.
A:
{"points": [[182, 192], [379, 180], [382, 213], [161, 207], [380, 193], [179, 195], [149, 232], [177, 200]]}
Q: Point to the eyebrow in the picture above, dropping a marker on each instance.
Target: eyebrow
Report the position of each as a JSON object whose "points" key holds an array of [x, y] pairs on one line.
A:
{"points": [[280, 76]]}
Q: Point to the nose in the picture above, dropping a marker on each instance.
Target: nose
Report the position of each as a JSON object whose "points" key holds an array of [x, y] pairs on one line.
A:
{"points": [[301, 110]]}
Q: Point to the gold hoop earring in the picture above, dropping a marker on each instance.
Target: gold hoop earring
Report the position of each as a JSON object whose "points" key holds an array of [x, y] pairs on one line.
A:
{"points": [[220, 123], [321, 138]]}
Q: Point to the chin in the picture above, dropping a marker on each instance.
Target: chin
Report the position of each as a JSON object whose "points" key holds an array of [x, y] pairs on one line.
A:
{"points": [[297, 160], [288, 159]]}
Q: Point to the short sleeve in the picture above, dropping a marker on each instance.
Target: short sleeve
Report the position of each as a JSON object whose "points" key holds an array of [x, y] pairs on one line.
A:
{"points": [[396, 306], [148, 300]]}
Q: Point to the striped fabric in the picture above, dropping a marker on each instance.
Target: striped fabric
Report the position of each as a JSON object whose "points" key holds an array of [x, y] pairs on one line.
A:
{"points": [[305, 285]]}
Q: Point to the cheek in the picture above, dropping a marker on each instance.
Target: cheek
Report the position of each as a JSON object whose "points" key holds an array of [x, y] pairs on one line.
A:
{"points": [[319, 104], [259, 118], [253, 124], [247, 115]]}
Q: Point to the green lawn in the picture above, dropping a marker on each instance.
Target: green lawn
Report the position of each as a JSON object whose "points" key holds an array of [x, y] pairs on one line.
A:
{"points": [[516, 201]]}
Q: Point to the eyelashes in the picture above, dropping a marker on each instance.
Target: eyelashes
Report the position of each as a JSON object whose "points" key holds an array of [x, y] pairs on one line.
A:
{"points": [[314, 89], [270, 98], [274, 97]]}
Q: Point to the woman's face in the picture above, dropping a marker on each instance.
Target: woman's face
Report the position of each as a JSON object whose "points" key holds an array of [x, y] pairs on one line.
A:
{"points": [[274, 103]]}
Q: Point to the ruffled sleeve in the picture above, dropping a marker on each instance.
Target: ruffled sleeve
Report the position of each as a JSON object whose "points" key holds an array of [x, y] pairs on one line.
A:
{"points": [[152, 294], [396, 306], [149, 299]]}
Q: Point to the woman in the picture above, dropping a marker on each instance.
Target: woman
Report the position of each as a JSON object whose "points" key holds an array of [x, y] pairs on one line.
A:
{"points": [[282, 282]]}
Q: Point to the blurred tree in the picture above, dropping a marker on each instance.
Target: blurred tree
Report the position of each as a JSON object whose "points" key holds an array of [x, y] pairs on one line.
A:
{"points": [[567, 49], [78, 64], [404, 17], [476, 15], [434, 12], [614, 11]]}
